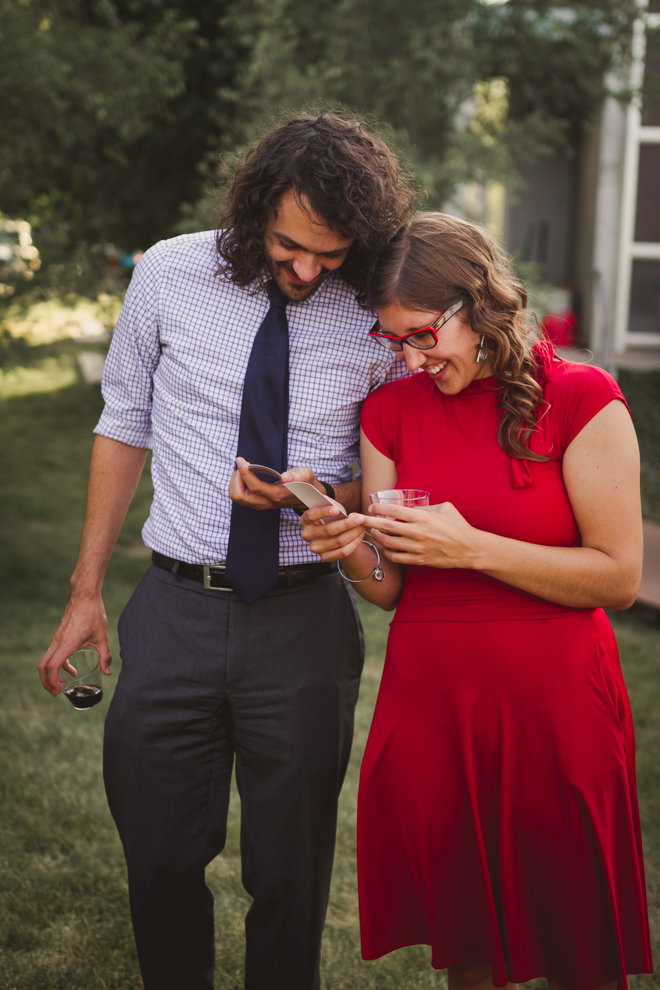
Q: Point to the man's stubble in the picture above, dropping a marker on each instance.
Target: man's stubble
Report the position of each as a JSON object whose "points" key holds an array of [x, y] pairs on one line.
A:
{"points": [[291, 291]]}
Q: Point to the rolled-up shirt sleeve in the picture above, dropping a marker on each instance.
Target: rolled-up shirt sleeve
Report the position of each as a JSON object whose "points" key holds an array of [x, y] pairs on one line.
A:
{"points": [[133, 357]]}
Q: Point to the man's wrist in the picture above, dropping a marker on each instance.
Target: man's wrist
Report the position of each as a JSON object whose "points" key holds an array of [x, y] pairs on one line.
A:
{"points": [[329, 490], [349, 494], [80, 595], [85, 587]]}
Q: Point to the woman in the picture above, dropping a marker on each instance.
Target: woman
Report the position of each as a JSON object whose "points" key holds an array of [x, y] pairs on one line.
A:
{"points": [[498, 818]]}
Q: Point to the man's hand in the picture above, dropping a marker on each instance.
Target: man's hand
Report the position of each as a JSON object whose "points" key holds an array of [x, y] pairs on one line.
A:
{"points": [[113, 476], [247, 489], [84, 624]]}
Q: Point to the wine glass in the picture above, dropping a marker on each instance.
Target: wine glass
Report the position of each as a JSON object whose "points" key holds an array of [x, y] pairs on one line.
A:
{"points": [[83, 689], [412, 498]]}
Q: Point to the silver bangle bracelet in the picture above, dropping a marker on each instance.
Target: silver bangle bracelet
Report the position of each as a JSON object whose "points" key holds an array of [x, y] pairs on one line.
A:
{"points": [[378, 573]]}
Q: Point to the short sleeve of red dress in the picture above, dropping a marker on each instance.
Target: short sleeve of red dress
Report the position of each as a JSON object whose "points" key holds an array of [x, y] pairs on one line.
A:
{"points": [[576, 393], [382, 413]]}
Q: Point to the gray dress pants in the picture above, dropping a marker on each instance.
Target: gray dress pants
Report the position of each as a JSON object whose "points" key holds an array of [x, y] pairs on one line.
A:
{"points": [[206, 677]]}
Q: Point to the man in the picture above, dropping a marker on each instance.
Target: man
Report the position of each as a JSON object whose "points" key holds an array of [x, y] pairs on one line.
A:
{"points": [[251, 345]]}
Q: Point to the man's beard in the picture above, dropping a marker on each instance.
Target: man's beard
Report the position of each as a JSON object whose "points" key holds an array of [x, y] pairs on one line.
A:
{"points": [[297, 293]]}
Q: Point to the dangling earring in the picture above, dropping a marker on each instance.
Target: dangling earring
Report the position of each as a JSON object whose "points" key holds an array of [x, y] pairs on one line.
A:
{"points": [[482, 353]]}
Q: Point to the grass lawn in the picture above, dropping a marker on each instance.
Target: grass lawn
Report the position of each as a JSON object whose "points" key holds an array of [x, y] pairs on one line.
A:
{"points": [[64, 921]]}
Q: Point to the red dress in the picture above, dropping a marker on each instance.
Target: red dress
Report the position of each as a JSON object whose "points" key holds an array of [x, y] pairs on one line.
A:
{"points": [[497, 812]]}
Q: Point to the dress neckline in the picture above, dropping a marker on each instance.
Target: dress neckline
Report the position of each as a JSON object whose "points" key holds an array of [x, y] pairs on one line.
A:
{"points": [[544, 356]]}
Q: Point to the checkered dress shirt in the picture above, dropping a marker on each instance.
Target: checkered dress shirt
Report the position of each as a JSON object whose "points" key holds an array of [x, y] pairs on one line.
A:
{"points": [[174, 377]]}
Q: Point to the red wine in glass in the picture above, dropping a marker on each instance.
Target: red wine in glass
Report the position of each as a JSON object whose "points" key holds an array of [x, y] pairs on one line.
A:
{"points": [[84, 695]]}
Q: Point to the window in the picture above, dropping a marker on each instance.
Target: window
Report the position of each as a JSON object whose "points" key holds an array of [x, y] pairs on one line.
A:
{"points": [[638, 293], [644, 314]]}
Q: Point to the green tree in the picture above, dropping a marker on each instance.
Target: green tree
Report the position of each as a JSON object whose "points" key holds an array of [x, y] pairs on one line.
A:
{"points": [[108, 108], [555, 61], [426, 69], [114, 112]]}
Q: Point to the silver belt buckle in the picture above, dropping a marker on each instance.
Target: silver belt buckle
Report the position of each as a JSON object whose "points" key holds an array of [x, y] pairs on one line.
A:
{"points": [[207, 568]]}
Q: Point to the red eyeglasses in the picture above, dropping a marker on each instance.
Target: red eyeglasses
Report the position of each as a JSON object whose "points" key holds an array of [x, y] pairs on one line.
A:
{"points": [[422, 339]]}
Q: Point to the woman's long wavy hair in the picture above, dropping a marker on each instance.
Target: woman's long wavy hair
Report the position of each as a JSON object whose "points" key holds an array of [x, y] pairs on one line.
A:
{"points": [[350, 179], [433, 261]]}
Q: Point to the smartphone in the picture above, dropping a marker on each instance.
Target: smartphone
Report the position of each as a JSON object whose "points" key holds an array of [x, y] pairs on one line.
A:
{"points": [[262, 469]]}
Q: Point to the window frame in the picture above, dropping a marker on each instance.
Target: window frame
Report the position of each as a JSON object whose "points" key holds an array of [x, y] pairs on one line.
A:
{"points": [[629, 249]]}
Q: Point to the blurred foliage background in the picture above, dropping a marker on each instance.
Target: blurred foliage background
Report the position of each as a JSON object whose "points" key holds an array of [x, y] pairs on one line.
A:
{"points": [[120, 117]]}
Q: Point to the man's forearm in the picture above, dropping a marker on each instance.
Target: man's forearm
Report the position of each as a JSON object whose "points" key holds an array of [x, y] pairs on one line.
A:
{"points": [[114, 472], [350, 495]]}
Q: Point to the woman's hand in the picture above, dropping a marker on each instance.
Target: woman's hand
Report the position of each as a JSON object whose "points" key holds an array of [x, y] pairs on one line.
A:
{"points": [[330, 535], [435, 537]]}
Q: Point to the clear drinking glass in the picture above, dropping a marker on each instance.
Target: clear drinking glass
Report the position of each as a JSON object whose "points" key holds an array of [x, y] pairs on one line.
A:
{"points": [[83, 689], [412, 498]]}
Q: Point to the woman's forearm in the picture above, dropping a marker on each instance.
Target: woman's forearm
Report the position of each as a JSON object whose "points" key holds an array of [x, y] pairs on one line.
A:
{"points": [[580, 577]]}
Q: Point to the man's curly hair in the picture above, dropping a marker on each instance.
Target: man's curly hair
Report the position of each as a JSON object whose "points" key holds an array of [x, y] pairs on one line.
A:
{"points": [[350, 179]]}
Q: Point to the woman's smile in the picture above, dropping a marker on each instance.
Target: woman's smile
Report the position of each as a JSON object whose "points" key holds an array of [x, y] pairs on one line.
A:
{"points": [[435, 370]]}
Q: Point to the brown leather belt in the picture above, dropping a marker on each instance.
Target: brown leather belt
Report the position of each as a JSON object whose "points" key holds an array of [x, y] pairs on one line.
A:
{"points": [[212, 576]]}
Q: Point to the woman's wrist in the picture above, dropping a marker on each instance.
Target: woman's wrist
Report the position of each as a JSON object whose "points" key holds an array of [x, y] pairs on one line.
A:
{"points": [[360, 564], [482, 551]]}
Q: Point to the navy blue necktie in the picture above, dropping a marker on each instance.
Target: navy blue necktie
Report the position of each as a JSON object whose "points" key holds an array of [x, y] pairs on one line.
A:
{"points": [[254, 536]]}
